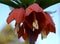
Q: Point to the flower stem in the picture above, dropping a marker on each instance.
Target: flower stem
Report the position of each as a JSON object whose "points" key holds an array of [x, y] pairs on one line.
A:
{"points": [[31, 38]]}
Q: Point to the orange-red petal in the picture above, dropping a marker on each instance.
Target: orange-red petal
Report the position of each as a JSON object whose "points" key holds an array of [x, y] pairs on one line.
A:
{"points": [[50, 25], [34, 7], [21, 31], [16, 14], [49, 18]]}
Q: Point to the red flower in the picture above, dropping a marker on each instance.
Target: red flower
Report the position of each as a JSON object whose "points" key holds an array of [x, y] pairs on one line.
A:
{"points": [[39, 20], [18, 16], [35, 21]]}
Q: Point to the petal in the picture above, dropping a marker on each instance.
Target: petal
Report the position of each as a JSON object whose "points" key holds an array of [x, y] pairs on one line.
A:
{"points": [[10, 18], [16, 14], [49, 18], [34, 7], [41, 19], [29, 20], [47, 29], [45, 22], [50, 25], [25, 36], [21, 31], [51, 28], [44, 19]]}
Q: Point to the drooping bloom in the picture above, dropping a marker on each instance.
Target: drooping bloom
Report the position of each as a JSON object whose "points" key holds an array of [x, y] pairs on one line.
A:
{"points": [[35, 21], [39, 21], [18, 16]]}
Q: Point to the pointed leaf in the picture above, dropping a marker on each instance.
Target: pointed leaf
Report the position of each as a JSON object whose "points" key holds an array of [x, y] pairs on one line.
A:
{"points": [[9, 3], [45, 3], [19, 3], [27, 2]]}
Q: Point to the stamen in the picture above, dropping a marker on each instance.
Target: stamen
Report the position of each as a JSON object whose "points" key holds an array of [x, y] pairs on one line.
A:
{"points": [[35, 22], [16, 29], [43, 34]]}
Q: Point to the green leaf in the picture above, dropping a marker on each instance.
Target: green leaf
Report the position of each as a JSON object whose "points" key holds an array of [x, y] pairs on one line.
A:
{"points": [[17, 1], [27, 2], [9, 3], [46, 3], [43, 3]]}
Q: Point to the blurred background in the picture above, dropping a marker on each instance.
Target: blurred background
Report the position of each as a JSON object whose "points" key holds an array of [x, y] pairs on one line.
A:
{"points": [[7, 35]]}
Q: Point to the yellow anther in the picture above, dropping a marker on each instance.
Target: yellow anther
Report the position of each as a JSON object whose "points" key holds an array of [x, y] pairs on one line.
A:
{"points": [[43, 34], [16, 29], [35, 24]]}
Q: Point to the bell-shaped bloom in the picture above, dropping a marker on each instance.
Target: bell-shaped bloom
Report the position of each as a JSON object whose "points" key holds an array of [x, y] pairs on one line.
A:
{"points": [[18, 16], [39, 21], [35, 21]]}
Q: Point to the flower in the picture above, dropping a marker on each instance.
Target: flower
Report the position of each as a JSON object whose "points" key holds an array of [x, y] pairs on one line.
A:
{"points": [[35, 21], [18, 16], [39, 21]]}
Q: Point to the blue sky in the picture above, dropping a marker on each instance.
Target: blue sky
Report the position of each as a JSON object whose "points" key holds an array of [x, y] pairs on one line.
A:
{"points": [[4, 11], [51, 38]]}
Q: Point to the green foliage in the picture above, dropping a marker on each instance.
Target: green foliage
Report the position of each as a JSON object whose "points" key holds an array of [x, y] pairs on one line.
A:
{"points": [[46, 3], [24, 3], [27, 2], [9, 3]]}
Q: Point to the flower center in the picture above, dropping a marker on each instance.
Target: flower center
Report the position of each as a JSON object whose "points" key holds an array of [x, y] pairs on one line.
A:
{"points": [[35, 24]]}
